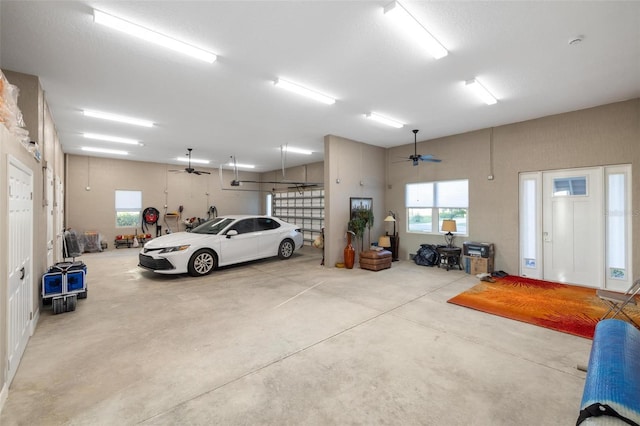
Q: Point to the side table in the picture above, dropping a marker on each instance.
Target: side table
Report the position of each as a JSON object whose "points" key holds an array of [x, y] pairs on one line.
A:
{"points": [[450, 257]]}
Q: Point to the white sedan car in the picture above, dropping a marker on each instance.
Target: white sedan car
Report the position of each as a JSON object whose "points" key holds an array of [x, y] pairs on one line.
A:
{"points": [[219, 242]]}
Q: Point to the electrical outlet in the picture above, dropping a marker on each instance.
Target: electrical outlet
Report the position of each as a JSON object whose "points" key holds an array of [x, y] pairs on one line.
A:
{"points": [[490, 177]]}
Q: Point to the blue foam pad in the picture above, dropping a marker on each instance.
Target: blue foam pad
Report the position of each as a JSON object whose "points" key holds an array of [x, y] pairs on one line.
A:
{"points": [[613, 375]]}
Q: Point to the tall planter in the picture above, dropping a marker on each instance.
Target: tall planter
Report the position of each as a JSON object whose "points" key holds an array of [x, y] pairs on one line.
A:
{"points": [[349, 253]]}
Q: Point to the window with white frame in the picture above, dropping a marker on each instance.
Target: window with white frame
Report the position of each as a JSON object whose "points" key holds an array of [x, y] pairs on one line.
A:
{"points": [[128, 207], [429, 203]]}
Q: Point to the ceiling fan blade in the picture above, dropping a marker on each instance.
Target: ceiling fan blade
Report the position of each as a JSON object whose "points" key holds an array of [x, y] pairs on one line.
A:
{"points": [[429, 157], [202, 172]]}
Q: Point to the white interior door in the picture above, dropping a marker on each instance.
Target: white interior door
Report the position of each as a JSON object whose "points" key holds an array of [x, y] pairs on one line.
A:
{"points": [[573, 226], [49, 209], [19, 262], [59, 215]]}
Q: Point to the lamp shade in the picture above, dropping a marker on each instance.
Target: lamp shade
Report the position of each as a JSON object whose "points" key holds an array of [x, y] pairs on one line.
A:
{"points": [[389, 219], [449, 225], [384, 241]]}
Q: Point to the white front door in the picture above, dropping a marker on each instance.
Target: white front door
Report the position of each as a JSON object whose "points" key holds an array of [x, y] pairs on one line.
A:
{"points": [[19, 262], [573, 226]]}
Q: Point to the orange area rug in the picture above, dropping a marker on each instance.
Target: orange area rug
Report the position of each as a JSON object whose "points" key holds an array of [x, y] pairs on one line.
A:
{"points": [[561, 307]]}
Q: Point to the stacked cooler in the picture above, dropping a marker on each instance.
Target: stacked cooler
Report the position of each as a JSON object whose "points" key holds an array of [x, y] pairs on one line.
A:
{"points": [[64, 284]]}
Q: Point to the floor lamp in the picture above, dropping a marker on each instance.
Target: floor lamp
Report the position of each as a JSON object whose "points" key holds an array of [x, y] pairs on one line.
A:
{"points": [[395, 240]]}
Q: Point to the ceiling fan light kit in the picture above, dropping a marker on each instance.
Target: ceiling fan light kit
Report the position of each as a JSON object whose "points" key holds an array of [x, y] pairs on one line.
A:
{"points": [[415, 158], [190, 169]]}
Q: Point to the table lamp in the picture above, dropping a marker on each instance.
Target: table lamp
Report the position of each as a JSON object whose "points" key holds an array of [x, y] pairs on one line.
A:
{"points": [[384, 241], [449, 226]]}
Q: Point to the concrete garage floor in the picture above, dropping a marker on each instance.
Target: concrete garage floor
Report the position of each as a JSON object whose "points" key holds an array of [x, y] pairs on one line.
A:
{"points": [[289, 342]]}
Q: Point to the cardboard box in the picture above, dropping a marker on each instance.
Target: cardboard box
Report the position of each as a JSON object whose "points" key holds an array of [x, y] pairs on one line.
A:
{"points": [[478, 265]]}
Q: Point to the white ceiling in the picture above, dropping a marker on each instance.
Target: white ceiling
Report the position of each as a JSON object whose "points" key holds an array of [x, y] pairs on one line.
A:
{"points": [[348, 49]]}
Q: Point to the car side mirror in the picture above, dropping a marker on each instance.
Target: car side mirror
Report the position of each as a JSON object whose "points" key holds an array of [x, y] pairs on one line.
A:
{"points": [[231, 233]]}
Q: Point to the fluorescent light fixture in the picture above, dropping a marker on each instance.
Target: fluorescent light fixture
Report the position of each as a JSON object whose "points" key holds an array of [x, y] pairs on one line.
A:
{"points": [[384, 120], [300, 90], [193, 160], [105, 151], [481, 91], [408, 23], [297, 150], [100, 17], [118, 118], [240, 165], [111, 138]]}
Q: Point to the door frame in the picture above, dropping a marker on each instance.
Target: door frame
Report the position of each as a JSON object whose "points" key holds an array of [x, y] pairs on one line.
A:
{"points": [[531, 243], [30, 324]]}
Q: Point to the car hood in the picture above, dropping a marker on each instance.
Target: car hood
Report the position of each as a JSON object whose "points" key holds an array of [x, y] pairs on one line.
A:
{"points": [[176, 239]]}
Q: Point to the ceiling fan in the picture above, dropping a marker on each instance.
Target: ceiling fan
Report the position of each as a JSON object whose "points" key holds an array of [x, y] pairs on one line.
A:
{"points": [[190, 169], [415, 158], [293, 184]]}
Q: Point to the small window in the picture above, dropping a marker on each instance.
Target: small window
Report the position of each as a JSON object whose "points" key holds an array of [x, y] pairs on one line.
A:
{"points": [[564, 187], [128, 207], [429, 203]]}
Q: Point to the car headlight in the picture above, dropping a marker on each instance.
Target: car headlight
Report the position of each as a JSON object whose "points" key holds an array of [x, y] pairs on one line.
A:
{"points": [[172, 249]]}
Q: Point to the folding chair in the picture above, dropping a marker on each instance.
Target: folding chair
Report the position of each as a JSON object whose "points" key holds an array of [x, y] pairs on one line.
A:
{"points": [[618, 301]]}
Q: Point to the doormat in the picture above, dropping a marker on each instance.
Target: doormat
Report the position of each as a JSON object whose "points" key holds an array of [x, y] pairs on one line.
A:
{"points": [[561, 307]]}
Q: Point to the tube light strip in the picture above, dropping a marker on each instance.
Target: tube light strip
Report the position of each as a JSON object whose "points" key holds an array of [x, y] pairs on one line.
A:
{"points": [[384, 120], [297, 150], [111, 138], [102, 18], [105, 151], [118, 118], [240, 165], [415, 29], [481, 91], [193, 160], [300, 90]]}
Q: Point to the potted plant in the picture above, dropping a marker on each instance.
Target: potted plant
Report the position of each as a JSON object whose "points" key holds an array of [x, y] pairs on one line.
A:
{"points": [[361, 219]]}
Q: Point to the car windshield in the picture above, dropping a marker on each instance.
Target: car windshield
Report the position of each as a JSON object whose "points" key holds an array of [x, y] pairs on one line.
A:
{"points": [[213, 226]]}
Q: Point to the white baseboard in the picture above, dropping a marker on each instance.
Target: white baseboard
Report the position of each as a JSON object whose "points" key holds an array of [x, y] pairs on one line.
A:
{"points": [[4, 394]]}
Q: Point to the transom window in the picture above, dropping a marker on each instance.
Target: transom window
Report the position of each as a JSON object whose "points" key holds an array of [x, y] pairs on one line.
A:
{"points": [[429, 203], [568, 186]]}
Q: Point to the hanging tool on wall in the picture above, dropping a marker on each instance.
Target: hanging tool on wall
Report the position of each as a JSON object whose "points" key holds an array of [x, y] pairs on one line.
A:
{"points": [[150, 216]]}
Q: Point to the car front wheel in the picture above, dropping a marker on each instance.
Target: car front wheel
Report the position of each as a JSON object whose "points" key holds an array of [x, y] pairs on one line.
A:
{"points": [[201, 263], [285, 251]]}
